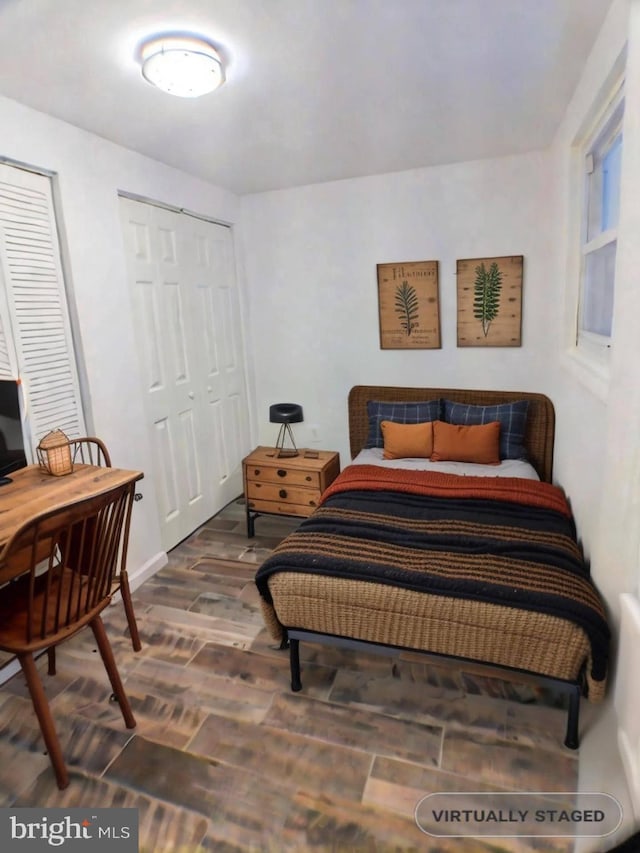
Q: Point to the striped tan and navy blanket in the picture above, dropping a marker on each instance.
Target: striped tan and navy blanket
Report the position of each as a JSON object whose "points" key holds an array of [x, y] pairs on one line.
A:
{"points": [[505, 541]]}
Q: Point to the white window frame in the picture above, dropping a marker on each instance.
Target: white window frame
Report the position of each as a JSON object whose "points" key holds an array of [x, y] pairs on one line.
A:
{"points": [[591, 348]]}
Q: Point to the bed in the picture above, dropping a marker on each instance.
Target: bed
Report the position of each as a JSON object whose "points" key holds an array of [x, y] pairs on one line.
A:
{"points": [[462, 550]]}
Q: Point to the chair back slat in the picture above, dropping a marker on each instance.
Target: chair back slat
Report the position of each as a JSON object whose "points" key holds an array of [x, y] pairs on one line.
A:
{"points": [[89, 450]]}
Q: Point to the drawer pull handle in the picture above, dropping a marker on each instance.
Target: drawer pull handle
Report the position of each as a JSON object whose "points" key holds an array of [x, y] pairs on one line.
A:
{"points": [[308, 478], [283, 493], [256, 471], [312, 503], [282, 472]]}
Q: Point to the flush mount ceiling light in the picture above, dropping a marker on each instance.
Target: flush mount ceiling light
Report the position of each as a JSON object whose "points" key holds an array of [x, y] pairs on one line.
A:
{"points": [[184, 66]]}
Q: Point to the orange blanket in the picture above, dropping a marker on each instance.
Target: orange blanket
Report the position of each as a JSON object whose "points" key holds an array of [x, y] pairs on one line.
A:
{"points": [[513, 489]]}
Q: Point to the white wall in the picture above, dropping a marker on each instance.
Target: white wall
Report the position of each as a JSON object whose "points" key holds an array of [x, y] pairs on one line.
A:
{"points": [[598, 447], [312, 288], [89, 174], [584, 401]]}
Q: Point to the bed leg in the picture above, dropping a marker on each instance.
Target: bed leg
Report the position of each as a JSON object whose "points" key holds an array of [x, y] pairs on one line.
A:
{"points": [[572, 739], [294, 660]]}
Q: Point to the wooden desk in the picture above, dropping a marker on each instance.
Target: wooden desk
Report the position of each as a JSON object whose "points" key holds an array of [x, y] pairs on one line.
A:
{"points": [[34, 491]]}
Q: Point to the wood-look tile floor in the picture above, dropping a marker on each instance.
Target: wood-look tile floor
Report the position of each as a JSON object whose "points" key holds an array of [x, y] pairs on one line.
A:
{"points": [[226, 758]]}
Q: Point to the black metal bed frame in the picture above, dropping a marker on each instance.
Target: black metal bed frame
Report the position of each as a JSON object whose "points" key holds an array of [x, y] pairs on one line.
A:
{"points": [[572, 688]]}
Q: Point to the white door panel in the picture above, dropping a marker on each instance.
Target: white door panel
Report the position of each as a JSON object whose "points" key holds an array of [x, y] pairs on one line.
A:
{"points": [[184, 300], [165, 475]]}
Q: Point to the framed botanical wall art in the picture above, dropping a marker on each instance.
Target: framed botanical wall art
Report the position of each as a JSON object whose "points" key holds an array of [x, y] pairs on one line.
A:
{"points": [[408, 305], [490, 301]]}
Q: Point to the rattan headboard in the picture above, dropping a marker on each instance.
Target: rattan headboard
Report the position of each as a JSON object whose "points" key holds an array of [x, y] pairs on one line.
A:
{"points": [[540, 419]]}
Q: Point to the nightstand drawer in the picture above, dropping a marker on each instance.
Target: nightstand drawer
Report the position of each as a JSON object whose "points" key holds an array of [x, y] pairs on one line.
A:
{"points": [[282, 493], [268, 474], [279, 508]]}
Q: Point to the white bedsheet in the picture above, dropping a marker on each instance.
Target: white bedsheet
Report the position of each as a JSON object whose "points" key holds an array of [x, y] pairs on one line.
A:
{"points": [[507, 468]]}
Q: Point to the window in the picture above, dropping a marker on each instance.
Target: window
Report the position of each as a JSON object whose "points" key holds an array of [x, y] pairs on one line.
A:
{"points": [[602, 155]]}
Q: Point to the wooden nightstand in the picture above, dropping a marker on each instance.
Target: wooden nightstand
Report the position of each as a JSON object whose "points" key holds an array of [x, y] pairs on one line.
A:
{"points": [[286, 485]]}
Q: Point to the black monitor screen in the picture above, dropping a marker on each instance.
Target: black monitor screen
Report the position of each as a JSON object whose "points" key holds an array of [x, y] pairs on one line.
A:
{"points": [[12, 454]]}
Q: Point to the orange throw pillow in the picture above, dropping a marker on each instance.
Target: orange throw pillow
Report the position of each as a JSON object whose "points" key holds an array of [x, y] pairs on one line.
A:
{"points": [[456, 443], [407, 440]]}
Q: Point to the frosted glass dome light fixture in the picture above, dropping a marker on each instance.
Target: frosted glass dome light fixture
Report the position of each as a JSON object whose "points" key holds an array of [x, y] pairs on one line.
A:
{"points": [[184, 66]]}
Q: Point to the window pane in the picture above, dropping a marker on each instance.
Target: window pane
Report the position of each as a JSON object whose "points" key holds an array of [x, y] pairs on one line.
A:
{"points": [[611, 184], [603, 176], [594, 200], [597, 304]]}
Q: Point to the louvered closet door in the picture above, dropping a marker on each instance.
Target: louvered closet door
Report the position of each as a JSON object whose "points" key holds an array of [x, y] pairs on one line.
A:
{"points": [[35, 333], [185, 308]]}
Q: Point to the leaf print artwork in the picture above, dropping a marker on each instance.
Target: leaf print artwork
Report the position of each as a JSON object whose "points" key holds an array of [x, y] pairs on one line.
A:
{"points": [[489, 301], [486, 302], [408, 310], [406, 306]]}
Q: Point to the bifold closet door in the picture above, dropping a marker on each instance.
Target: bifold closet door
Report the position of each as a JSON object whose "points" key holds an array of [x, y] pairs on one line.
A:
{"points": [[186, 311], [36, 344]]}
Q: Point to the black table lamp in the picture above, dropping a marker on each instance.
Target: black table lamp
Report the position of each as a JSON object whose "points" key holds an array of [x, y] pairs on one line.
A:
{"points": [[285, 414]]}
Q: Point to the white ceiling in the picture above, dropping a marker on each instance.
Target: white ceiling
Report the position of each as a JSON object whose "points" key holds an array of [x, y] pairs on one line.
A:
{"points": [[316, 90]]}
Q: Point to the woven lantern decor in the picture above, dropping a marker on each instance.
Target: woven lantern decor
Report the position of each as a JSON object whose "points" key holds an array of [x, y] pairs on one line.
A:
{"points": [[54, 453]]}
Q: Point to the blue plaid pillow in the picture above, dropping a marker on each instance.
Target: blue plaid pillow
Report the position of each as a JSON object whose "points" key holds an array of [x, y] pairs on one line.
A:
{"points": [[400, 413], [511, 416]]}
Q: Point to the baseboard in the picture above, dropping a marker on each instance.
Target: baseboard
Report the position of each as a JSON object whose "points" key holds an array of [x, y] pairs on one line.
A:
{"points": [[627, 695], [143, 573], [147, 570], [630, 755], [9, 670]]}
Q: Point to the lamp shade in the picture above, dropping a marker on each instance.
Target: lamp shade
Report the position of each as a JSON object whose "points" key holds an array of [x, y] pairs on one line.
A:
{"points": [[54, 454], [285, 413]]}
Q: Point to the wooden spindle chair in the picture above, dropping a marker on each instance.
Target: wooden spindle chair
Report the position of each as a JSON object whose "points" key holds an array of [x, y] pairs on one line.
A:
{"points": [[44, 602], [90, 450]]}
